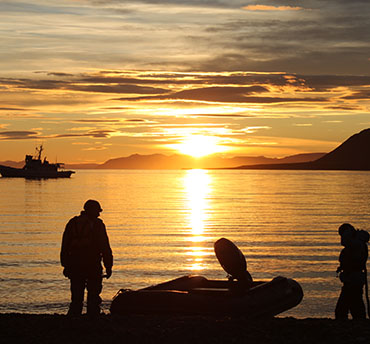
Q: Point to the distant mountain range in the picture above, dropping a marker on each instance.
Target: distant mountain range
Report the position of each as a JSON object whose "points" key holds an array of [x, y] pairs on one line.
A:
{"points": [[353, 154], [178, 161]]}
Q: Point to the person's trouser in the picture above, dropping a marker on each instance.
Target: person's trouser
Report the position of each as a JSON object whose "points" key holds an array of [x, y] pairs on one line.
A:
{"points": [[350, 300], [94, 288]]}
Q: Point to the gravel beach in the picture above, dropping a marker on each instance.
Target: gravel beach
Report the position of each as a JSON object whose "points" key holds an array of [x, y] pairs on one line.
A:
{"points": [[29, 328]]}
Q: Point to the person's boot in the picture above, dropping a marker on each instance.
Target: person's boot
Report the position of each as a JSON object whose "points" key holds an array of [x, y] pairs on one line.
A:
{"points": [[74, 311]]}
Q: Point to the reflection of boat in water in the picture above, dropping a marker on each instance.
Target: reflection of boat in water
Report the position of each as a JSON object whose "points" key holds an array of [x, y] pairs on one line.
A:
{"points": [[36, 168], [199, 295]]}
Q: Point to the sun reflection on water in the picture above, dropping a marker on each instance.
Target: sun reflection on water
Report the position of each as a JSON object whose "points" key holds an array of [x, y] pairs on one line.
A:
{"points": [[197, 186]]}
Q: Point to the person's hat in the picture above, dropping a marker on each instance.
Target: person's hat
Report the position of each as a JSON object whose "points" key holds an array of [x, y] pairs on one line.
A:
{"points": [[92, 205], [346, 229]]}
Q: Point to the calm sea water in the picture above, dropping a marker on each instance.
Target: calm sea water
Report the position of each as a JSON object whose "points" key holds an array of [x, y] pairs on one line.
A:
{"points": [[162, 225]]}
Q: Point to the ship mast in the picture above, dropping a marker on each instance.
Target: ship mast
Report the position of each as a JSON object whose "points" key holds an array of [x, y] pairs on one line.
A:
{"points": [[39, 151]]}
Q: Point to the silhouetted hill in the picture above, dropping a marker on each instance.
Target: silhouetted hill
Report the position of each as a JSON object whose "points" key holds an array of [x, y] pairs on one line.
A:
{"points": [[16, 164], [153, 161], [353, 154], [178, 161], [301, 158]]}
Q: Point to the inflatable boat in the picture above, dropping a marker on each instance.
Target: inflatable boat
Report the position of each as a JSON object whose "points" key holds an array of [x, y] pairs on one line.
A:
{"points": [[238, 295]]}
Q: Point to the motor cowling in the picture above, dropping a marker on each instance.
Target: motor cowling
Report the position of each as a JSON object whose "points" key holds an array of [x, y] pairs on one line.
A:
{"points": [[232, 260]]}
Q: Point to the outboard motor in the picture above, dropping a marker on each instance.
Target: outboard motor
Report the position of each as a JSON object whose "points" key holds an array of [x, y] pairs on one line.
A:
{"points": [[233, 262]]}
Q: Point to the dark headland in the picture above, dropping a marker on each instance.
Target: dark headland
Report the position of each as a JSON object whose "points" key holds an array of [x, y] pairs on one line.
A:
{"points": [[353, 154], [26, 328]]}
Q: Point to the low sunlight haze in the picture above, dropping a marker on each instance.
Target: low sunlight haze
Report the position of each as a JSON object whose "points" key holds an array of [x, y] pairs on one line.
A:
{"points": [[184, 171]]}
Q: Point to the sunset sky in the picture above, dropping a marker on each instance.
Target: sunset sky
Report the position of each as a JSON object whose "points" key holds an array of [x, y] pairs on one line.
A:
{"points": [[99, 79]]}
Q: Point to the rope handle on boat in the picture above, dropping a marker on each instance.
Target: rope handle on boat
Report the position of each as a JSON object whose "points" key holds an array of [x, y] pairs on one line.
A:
{"points": [[121, 291]]}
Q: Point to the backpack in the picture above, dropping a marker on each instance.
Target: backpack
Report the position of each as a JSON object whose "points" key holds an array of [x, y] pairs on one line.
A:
{"points": [[363, 235]]}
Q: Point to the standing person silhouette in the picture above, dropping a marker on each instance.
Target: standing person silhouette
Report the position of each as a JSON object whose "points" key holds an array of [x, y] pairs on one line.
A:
{"points": [[352, 271], [85, 243]]}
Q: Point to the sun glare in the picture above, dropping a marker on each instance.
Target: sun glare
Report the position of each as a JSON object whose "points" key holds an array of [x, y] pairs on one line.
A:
{"points": [[199, 146], [197, 187]]}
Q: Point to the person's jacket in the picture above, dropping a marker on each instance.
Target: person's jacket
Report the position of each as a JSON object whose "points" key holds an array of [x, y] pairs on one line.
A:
{"points": [[85, 243], [352, 261]]}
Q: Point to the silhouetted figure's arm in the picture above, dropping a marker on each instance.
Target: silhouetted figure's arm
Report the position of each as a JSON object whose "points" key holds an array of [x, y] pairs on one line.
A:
{"points": [[106, 251], [65, 252]]}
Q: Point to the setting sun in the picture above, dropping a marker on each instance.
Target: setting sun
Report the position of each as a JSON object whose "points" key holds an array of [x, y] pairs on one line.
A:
{"points": [[199, 146]]}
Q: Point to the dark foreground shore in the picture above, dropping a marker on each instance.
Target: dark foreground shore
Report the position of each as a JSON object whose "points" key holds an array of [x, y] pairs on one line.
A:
{"points": [[27, 328]]}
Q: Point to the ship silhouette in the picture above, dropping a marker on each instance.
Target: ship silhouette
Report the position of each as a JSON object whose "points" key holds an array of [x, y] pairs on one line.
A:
{"points": [[36, 168]]}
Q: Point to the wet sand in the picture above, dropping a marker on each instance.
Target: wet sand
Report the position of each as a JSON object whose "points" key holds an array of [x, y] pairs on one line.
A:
{"points": [[27, 328]]}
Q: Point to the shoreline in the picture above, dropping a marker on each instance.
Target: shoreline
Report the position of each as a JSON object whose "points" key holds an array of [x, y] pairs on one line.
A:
{"points": [[57, 328]]}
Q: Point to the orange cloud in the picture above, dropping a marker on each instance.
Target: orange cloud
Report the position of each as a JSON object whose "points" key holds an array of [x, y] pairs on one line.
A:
{"points": [[271, 8]]}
